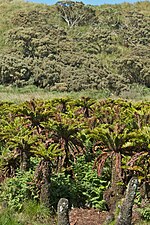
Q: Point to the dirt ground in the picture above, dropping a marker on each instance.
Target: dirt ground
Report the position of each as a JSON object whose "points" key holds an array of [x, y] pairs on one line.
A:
{"points": [[87, 217], [79, 216]]}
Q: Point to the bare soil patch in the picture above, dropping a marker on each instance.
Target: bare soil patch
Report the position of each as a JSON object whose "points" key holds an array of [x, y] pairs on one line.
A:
{"points": [[79, 216]]}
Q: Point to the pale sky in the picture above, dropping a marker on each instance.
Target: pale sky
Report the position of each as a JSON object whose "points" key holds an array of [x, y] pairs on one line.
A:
{"points": [[91, 2]]}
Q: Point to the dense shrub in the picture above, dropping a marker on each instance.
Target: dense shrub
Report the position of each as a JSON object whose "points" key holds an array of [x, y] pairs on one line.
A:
{"points": [[55, 48], [83, 189], [16, 190]]}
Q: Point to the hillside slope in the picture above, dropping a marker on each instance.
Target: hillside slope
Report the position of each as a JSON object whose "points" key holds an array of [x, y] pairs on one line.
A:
{"points": [[101, 47]]}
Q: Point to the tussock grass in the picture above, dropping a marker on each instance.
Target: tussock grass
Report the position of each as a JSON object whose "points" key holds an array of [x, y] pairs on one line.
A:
{"points": [[33, 213], [27, 93], [11, 94]]}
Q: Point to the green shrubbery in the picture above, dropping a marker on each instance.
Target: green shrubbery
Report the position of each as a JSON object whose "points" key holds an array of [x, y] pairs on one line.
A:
{"points": [[106, 48], [146, 213], [16, 190], [84, 188]]}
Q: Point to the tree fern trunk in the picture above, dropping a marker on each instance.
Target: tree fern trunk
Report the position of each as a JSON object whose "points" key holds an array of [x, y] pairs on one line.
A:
{"points": [[116, 180], [24, 161], [115, 192], [42, 176]]}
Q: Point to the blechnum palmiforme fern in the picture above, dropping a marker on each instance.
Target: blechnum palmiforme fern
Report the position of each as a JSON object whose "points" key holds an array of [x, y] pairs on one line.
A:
{"points": [[53, 142]]}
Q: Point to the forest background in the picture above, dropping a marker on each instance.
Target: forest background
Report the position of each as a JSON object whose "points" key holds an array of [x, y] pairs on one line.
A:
{"points": [[105, 49]]}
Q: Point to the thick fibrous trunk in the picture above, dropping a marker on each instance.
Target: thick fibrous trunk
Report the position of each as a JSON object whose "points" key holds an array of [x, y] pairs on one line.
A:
{"points": [[63, 212], [42, 176], [115, 192], [24, 161], [125, 216], [116, 181]]}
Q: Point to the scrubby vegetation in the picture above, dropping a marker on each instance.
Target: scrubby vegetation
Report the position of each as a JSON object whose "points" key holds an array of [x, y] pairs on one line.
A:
{"points": [[83, 47]]}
